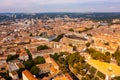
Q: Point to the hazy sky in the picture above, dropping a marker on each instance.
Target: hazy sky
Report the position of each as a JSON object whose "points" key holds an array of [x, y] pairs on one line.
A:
{"points": [[59, 6]]}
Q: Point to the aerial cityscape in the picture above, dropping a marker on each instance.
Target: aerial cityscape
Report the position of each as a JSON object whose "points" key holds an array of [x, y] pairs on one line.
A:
{"points": [[59, 40]]}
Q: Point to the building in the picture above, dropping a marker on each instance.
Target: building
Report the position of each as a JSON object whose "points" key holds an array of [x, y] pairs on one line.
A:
{"points": [[14, 75], [48, 39], [48, 59], [12, 67], [19, 65], [3, 67], [26, 75], [23, 56], [52, 51], [44, 68], [58, 75], [103, 70], [3, 59]]}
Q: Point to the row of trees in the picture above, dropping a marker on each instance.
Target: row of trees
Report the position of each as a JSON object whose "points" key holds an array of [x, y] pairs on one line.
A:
{"points": [[99, 55], [12, 57], [28, 53], [74, 60], [77, 62], [117, 56], [106, 57], [61, 61], [42, 47]]}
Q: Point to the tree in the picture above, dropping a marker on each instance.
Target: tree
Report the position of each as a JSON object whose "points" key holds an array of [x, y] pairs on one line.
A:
{"points": [[75, 58], [89, 34], [117, 56], [107, 59], [39, 60], [8, 78], [5, 75], [42, 47], [107, 53], [35, 70], [96, 54], [29, 64], [55, 56], [75, 71], [0, 47], [9, 58], [20, 72], [31, 34], [71, 29], [106, 43], [74, 47], [61, 60], [83, 78], [12, 57], [88, 44], [29, 54]]}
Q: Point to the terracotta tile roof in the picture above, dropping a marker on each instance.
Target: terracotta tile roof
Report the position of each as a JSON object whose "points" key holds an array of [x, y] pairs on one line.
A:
{"points": [[29, 75]]}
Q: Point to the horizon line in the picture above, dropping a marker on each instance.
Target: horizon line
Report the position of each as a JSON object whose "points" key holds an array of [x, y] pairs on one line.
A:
{"points": [[56, 12]]}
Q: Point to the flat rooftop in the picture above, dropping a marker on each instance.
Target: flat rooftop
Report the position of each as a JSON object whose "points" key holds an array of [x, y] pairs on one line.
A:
{"points": [[105, 68]]}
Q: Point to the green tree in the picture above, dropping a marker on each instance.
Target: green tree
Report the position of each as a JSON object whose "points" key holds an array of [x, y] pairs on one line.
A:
{"points": [[12, 57], [35, 70], [71, 29], [87, 44], [42, 47], [106, 43], [107, 59], [31, 34], [107, 53], [9, 58], [29, 64], [6, 76], [75, 58], [55, 56], [89, 34], [74, 47], [96, 54], [117, 57], [0, 47], [39, 60], [29, 54], [20, 72]]}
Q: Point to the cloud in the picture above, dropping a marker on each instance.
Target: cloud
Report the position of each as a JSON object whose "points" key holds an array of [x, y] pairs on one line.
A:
{"points": [[58, 5]]}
